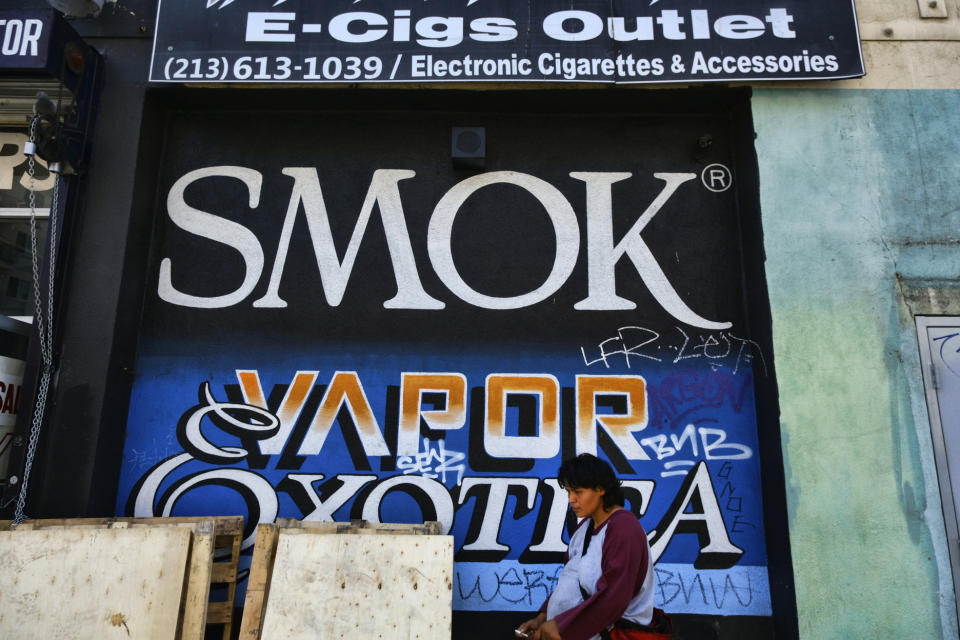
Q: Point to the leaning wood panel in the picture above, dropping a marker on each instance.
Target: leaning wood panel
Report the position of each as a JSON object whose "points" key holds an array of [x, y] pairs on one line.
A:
{"points": [[92, 583], [329, 586]]}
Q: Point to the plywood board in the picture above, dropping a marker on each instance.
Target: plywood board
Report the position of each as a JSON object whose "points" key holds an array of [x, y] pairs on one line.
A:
{"points": [[94, 584], [328, 586], [213, 559]]}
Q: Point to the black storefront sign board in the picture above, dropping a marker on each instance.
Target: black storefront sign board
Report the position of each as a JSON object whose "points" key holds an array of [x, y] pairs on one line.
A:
{"points": [[41, 44], [32, 41], [597, 41], [25, 38]]}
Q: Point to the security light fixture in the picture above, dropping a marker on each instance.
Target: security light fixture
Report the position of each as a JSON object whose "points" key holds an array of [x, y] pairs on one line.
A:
{"points": [[469, 147]]}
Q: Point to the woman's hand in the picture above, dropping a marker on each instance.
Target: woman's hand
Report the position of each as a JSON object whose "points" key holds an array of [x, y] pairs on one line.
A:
{"points": [[531, 625], [548, 631]]}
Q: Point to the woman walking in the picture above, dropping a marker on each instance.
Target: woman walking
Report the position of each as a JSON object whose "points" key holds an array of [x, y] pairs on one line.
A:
{"points": [[606, 587]]}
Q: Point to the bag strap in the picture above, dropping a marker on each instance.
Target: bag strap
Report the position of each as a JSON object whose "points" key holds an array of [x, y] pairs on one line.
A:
{"points": [[587, 537], [586, 545]]}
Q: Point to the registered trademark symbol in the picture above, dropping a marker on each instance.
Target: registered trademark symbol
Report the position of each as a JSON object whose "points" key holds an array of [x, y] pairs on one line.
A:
{"points": [[717, 178]]}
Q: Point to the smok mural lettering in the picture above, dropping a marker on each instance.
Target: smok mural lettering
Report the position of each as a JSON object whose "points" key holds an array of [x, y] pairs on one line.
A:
{"points": [[306, 194]]}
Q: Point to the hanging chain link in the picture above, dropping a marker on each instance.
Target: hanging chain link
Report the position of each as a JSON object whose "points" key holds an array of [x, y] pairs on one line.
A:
{"points": [[44, 324]]}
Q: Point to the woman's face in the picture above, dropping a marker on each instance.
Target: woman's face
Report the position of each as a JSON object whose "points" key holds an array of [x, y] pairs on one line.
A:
{"points": [[585, 502]]}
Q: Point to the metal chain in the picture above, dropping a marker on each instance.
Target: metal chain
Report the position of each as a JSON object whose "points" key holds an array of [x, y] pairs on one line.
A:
{"points": [[44, 325]]}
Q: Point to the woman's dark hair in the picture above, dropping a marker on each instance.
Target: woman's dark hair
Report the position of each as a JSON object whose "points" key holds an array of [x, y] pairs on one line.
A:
{"points": [[590, 472]]}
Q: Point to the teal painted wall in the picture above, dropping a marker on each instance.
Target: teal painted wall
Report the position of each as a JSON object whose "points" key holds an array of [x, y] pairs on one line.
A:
{"points": [[856, 188]]}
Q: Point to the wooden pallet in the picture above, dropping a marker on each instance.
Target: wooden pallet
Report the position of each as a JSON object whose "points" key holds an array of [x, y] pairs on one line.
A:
{"points": [[215, 553], [265, 551]]}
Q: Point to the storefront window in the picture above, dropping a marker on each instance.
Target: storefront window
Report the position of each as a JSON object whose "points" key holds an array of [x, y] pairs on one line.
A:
{"points": [[939, 338], [16, 271]]}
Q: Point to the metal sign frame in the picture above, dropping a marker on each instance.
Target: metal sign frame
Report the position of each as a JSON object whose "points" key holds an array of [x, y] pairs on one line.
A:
{"points": [[623, 42]]}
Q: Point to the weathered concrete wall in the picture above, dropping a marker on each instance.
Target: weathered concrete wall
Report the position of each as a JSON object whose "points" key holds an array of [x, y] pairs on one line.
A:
{"points": [[860, 195]]}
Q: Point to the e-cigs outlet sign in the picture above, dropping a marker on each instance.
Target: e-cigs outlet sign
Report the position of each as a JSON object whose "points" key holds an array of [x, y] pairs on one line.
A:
{"points": [[624, 41]]}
